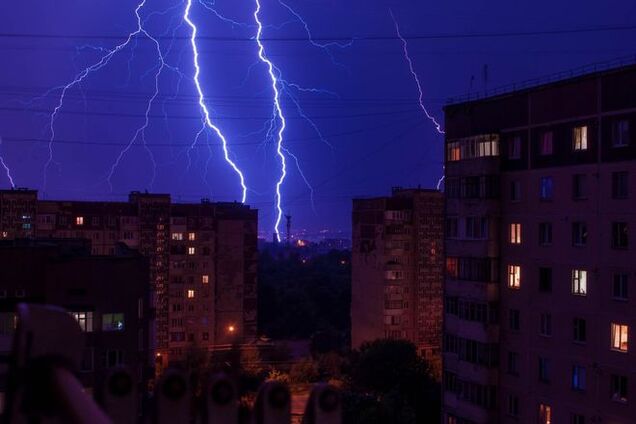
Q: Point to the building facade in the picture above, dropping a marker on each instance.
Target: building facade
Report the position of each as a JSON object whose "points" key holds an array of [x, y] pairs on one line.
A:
{"points": [[203, 258], [108, 296], [397, 264], [539, 314]]}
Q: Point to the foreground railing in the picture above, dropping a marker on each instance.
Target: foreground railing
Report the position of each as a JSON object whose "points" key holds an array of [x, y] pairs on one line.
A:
{"points": [[42, 387]]}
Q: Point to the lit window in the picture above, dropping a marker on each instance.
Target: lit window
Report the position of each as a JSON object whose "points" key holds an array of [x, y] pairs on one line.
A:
{"points": [[545, 414], [85, 320], [191, 250], [190, 294], [620, 133], [514, 276], [113, 322], [620, 334], [579, 282], [192, 236], [453, 152], [205, 279], [546, 143], [177, 236], [515, 233], [579, 138], [79, 220]]}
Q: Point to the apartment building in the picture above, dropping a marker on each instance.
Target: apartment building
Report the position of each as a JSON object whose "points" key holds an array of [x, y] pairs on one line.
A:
{"points": [[539, 309], [203, 258], [108, 296], [397, 269]]}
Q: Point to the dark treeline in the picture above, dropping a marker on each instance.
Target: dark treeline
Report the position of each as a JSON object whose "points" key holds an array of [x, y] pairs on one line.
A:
{"points": [[300, 298]]}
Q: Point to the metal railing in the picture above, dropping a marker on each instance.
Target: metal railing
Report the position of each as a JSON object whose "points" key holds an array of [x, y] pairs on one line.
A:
{"points": [[591, 68]]}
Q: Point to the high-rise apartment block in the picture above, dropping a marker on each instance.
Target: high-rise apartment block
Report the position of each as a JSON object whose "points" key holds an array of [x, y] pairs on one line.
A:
{"points": [[539, 307], [203, 258], [397, 269]]}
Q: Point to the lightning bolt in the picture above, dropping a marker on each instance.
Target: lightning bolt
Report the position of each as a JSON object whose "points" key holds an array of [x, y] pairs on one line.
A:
{"points": [[201, 100], [6, 169], [79, 78], [325, 46], [407, 57], [279, 114]]}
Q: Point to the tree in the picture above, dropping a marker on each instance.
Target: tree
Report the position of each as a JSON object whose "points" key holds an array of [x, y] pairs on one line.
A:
{"points": [[393, 372]]}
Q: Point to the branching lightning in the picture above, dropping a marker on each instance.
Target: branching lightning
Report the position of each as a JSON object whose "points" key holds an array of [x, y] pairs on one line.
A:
{"points": [[202, 105], [407, 57], [279, 114], [6, 169]]}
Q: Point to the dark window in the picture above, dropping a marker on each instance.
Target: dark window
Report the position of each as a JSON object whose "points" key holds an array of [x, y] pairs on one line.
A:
{"points": [[620, 188], [578, 377], [578, 186], [452, 188], [451, 305], [544, 370], [471, 187], [577, 419], [619, 286], [514, 317], [513, 405], [514, 147], [620, 133], [515, 191], [618, 388], [545, 149], [545, 328], [513, 363], [580, 330], [114, 358], [619, 235], [451, 227], [545, 280], [579, 234], [545, 233], [546, 188]]}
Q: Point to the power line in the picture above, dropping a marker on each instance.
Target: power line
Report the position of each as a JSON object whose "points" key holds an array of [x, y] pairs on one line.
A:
{"points": [[339, 38], [198, 117], [189, 144]]}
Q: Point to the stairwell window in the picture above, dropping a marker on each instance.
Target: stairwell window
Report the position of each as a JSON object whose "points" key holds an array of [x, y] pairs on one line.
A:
{"points": [[579, 138]]}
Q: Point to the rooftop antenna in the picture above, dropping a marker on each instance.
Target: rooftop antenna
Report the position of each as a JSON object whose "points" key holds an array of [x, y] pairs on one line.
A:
{"points": [[288, 219]]}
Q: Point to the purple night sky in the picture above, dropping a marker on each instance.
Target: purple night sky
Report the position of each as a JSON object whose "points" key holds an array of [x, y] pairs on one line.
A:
{"points": [[374, 134]]}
